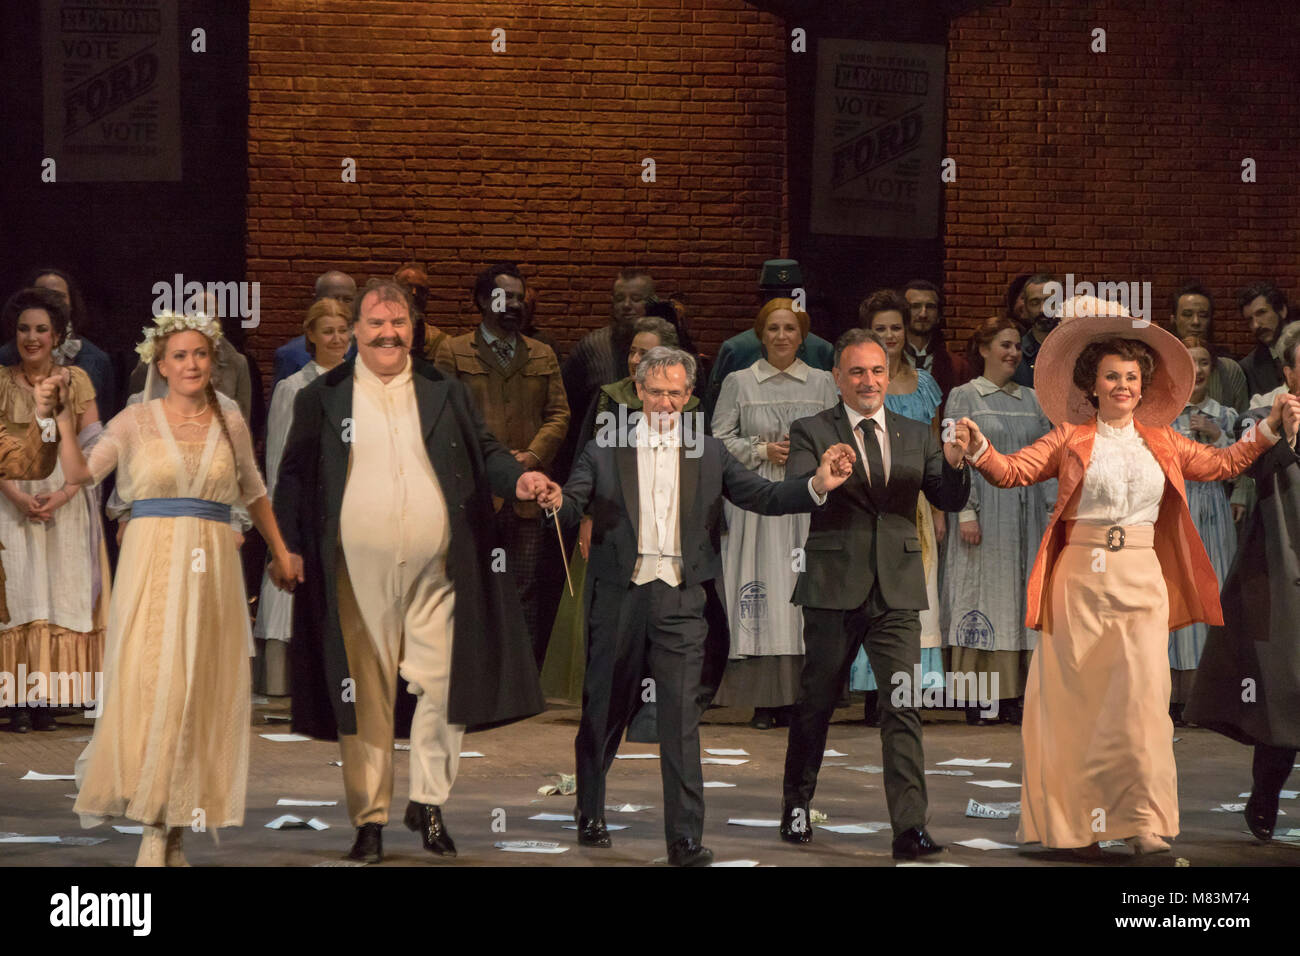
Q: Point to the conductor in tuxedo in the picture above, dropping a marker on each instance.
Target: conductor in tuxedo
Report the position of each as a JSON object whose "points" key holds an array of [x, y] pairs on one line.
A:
{"points": [[654, 489], [864, 582]]}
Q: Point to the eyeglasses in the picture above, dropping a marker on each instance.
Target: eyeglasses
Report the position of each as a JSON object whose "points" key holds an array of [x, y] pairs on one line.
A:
{"points": [[674, 395]]}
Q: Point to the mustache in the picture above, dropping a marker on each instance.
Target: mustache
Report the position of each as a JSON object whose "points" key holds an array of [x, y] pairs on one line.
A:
{"points": [[391, 341]]}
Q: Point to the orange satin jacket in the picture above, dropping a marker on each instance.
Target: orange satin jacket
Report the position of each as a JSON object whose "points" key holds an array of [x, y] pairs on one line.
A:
{"points": [[1064, 453]]}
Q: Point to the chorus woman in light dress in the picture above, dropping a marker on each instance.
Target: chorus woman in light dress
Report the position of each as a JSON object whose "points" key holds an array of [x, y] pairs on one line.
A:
{"points": [[1203, 420], [54, 585], [1120, 566], [914, 394], [327, 331], [171, 747], [988, 558], [752, 418]]}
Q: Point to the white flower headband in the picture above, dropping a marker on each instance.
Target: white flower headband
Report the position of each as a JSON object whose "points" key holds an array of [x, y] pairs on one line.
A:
{"points": [[165, 323]]}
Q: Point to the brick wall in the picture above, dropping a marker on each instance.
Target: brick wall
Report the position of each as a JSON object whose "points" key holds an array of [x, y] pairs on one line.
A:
{"points": [[1124, 165], [465, 156]]}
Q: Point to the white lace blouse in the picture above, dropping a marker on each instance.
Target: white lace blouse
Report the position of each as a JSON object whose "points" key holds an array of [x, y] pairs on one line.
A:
{"points": [[1123, 484]]}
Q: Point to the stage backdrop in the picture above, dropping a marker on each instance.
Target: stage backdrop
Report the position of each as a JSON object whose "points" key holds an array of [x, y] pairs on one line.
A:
{"points": [[483, 132]]}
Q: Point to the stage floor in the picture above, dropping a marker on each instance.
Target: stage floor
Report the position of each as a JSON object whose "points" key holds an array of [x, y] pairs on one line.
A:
{"points": [[500, 788]]}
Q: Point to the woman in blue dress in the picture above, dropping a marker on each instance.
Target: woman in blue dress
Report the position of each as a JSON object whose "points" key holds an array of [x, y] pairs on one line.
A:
{"points": [[913, 393], [1206, 421]]}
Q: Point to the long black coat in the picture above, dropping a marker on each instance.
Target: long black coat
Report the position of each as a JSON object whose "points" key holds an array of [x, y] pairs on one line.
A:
{"points": [[493, 676], [1256, 654]]}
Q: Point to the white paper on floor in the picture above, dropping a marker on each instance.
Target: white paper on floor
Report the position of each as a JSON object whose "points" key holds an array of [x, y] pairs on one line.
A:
{"points": [[726, 751], [129, 831], [736, 863], [833, 753], [985, 812], [284, 738], [628, 807], [1106, 844], [1285, 794], [553, 817], [965, 762], [952, 773], [854, 827], [294, 802], [260, 699], [471, 753], [917, 863], [33, 775], [608, 826], [994, 784], [724, 761], [636, 756], [747, 822], [336, 763], [290, 822], [980, 843], [867, 768], [276, 718], [65, 841], [79, 740], [30, 839], [717, 783], [530, 846], [1228, 808]]}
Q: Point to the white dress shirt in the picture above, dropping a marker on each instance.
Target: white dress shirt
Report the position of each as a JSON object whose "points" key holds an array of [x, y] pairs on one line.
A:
{"points": [[882, 436]]}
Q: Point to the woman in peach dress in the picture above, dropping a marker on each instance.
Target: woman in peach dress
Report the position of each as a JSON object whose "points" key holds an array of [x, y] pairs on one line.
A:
{"points": [[1120, 566]]}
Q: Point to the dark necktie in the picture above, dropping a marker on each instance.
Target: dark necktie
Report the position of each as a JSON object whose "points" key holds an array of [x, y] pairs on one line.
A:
{"points": [[504, 352], [875, 460]]}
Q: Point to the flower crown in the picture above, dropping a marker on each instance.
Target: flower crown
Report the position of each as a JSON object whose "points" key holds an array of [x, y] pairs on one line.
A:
{"points": [[165, 323]]}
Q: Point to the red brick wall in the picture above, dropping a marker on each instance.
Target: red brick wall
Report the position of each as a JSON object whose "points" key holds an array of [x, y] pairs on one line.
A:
{"points": [[1124, 165], [465, 156]]}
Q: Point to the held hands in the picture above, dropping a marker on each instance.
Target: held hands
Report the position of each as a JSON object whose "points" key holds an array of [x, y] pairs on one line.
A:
{"points": [[1285, 417], [534, 486], [835, 468], [778, 452], [286, 571], [1206, 426], [970, 532]]}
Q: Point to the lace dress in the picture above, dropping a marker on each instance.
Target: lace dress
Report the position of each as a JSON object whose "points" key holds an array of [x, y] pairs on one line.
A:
{"points": [[172, 744]]}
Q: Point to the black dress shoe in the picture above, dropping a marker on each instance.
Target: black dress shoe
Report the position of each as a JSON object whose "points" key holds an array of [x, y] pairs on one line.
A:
{"points": [[686, 852], [594, 833], [973, 718], [43, 719], [796, 831], [1011, 712], [1260, 818], [763, 719], [915, 843], [426, 819], [369, 844], [20, 720]]}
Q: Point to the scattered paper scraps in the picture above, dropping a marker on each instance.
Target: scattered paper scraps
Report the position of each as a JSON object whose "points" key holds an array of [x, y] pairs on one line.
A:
{"points": [[745, 863], [867, 768], [276, 718], [289, 822], [724, 761], [471, 753], [568, 785], [608, 826], [627, 807], [57, 840], [833, 753], [991, 811], [951, 773], [636, 756], [130, 831], [995, 784], [294, 802], [854, 827], [717, 783], [980, 843], [284, 738], [34, 775], [726, 752], [750, 822], [972, 762], [553, 817], [530, 846]]}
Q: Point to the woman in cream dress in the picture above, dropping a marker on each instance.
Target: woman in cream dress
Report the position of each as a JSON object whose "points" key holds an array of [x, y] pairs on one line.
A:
{"points": [[171, 748], [1120, 565]]}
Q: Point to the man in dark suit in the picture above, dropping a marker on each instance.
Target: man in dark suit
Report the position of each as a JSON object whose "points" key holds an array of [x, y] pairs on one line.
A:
{"points": [[864, 582], [385, 500], [654, 489]]}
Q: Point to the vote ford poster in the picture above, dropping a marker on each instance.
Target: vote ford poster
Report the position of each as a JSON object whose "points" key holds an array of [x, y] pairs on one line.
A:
{"points": [[111, 90], [877, 137]]}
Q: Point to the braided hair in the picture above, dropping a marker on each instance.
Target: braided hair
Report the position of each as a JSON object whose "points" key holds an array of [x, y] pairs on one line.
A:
{"points": [[209, 390]]}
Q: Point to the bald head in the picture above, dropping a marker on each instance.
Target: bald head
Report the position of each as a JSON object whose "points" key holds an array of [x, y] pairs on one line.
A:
{"points": [[335, 285]]}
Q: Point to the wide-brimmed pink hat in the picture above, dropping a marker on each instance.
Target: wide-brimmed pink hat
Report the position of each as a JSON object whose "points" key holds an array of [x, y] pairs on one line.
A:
{"points": [[1086, 319]]}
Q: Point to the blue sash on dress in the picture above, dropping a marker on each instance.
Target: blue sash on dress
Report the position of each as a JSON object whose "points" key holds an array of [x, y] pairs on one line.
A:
{"points": [[180, 508]]}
